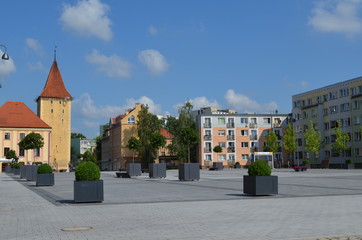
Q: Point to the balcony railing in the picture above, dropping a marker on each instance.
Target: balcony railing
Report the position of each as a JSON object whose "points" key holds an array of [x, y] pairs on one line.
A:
{"points": [[230, 125], [207, 162], [276, 125], [231, 137], [253, 137], [207, 125], [253, 125], [207, 150], [231, 149], [207, 137], [231, 162]]}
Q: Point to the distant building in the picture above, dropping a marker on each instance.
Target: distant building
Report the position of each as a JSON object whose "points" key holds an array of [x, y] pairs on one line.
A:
{"points": [[80, 146], [239, 135], [17, 121], [325, 107]]}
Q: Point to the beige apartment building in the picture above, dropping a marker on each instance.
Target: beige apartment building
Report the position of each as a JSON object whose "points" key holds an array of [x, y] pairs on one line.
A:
{"points": [[239, 135]]}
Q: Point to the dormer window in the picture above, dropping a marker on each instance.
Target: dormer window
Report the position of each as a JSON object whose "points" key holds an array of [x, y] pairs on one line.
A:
{"points": [[131, 120]]}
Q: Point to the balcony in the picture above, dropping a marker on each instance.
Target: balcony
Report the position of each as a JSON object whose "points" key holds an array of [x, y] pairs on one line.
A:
{"points": [[231, 137], [207, 150], [207, 137], [207, 162], [276, 125], [253, 137], [230, 125], [253, 125], [207, 125], [231, 161], [231, 149]]}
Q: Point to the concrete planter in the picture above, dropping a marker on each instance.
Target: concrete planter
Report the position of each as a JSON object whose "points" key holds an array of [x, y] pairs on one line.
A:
{"points": [[31, 172], [237, 166], [189, 171], [15, 171], [350, 166], [157, 170], [261, 185], [22, 171], [88, 191], [217, 166], [134, 169], [8, 169], [45, 179]]}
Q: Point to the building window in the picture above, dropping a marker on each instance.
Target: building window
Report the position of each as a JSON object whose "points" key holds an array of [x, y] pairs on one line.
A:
{"points": [[300, 142], [333, 109], [345, 107], [222, 144], [222, 157], [244, 156], [266, 120], [344, 92], [131, 120], [326, 126], [231, 157], [353, 91], [51, 110], [356, 104], [22, 136], [327, 140], [357, 136], [21, 152], [357, 120], [243, 120], [7, 135], [221, 121], [314, 113], [208, 157], [63, 111], [221, 133], [244, 132], [60, 102], [319, 99], [253, 120], [244, 144], [37, 152], [325, 112], [6, 150]]}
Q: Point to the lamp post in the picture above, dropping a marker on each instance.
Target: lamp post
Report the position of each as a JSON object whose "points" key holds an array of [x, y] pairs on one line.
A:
{"points": [[5, 56]]}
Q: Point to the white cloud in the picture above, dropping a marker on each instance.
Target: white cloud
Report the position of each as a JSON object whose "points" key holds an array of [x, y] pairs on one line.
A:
{"points": [[87, 18], [34, 45], [304, 84], [113, 66], [243, 103], [36, 66], [152, 106], [339, 16], [154, 61], [152, 30], [6, 66]]}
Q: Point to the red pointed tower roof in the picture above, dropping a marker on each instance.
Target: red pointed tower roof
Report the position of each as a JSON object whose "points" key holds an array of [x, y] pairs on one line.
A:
{"points": [[18, 115], [54, 87]]}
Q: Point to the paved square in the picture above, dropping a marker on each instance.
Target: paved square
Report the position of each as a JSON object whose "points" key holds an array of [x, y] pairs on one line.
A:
{"points": [[310, 205]]}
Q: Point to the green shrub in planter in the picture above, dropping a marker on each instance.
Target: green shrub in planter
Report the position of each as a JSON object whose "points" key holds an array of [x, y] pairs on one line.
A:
{"points": [[44, 168], [15, 165], [87, 171], [305, 162], [259, 168], [348, 161]]}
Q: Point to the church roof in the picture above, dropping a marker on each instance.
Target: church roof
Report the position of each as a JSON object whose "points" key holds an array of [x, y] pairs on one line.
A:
{"points": [[18, 115], [54, 87]]}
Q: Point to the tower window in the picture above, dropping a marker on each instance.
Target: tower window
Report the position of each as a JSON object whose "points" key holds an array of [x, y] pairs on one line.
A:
{"points": [[51, 110], [7, 136], [60, 102], [51, 101], [63, 110]]}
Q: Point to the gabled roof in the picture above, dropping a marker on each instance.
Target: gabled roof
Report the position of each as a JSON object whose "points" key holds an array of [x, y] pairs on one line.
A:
{"points": [[166, 134], [54, 87], [18, 115]]}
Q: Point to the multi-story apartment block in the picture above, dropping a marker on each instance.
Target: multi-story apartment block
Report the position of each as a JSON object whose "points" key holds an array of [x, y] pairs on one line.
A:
{"points": [[80, 146], [325, 107], [239, 135]]}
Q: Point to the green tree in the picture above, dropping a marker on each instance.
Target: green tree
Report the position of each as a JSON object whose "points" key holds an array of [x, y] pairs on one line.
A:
{"points": [[217, 149], [313, 139], [157, 141], [77, 135], [271, 142], [90, 157], [290, 140], [11, 154], [188, 137], [134, 145], [342, 139], [148, 124], [175, 126], [31, 141]]}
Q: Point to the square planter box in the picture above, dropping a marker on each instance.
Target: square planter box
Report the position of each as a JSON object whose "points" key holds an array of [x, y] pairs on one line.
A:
{"points": [[350, 166], [217, 166], [88, 191], [189, 171], [15, 171], [31, 172], [23, 171], [261, 185], [157, 170], [8, 169], [45, 179], [134, 169]]}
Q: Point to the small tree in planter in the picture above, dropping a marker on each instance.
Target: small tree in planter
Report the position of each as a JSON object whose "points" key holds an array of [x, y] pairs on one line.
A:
{"points": [[45, 175], [31, 141], [259, 181], [349, 164], [237, 165], [87, 185], [157, 170], [134, 169], [217, 165]]}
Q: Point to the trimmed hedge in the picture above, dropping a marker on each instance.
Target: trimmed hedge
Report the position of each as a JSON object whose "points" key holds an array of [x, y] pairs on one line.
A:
{"points": [[259, 168], [87, 171], [44, 168]]}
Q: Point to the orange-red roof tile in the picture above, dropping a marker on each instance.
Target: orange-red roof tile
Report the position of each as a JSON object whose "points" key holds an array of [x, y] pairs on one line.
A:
{"points": [[54, 87], [17, 114], [166, 133]]}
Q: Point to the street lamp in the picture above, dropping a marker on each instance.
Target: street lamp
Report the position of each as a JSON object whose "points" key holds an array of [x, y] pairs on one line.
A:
{"points": [[5, 56]]}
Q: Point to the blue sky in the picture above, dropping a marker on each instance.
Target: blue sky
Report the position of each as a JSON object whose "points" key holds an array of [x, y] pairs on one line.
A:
{"points": [[251, 55]]}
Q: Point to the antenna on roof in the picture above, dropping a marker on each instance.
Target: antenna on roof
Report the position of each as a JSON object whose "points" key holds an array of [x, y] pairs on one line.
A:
{"points": [[55, 53]]}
